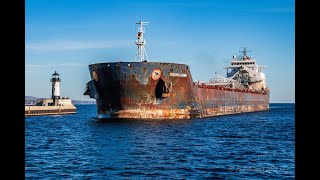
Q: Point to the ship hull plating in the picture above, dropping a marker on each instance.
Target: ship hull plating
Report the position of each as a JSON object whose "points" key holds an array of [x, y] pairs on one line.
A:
{"points": [[154, 90]]}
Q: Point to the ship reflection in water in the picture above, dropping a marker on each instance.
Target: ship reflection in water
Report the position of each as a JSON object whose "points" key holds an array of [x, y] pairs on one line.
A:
{"points": [[161, 90]]}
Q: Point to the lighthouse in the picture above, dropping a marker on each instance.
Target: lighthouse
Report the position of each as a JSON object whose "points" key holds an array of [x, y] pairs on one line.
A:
{"points": [[53, 105], [55, 86]]}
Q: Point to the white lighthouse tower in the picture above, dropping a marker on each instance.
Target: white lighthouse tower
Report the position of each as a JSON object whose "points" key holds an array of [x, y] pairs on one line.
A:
{"points": [[55, 86]]}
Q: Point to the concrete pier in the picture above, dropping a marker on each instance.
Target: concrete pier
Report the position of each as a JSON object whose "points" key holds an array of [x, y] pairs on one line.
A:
{"points": [[47, 107]]}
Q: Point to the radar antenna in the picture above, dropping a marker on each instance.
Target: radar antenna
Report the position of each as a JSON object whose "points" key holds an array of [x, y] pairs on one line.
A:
{"points": [[245, 51], [141, 51]]}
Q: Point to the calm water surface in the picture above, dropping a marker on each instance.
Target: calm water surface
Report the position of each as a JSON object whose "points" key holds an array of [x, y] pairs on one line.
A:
{"points": [[257, 145]]}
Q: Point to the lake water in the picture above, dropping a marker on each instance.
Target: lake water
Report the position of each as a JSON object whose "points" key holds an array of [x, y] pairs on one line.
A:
{"points": [[254, 145]]}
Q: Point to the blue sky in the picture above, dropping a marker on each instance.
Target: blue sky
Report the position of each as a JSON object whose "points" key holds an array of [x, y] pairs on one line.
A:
{"points": [[68, 35]]}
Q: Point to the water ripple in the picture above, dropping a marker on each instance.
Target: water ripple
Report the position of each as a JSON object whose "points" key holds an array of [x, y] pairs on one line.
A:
{"points": [[256, 145]]}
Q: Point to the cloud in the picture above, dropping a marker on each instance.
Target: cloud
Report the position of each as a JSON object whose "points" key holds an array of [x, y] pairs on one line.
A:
{"points": [[38, 66], [35, 66], [72, 65], [184, 4], [276, 10], [74, 45]]}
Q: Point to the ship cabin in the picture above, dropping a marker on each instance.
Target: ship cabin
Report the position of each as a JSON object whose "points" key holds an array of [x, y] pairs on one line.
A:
{"points": [[244, 64], [245, 61]]}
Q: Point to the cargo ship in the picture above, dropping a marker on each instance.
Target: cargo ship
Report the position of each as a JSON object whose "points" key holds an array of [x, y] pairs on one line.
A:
{"points": [[163, 90]]}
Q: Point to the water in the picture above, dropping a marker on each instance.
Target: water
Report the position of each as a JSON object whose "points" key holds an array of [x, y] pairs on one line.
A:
{"points": [[257, 145]]}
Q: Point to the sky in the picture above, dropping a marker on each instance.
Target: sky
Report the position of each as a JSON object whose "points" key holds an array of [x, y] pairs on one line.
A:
{"points": [[68, 35]]}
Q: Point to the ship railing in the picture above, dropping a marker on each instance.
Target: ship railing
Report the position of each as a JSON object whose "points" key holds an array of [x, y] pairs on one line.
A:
{"points": [[222, 87]]}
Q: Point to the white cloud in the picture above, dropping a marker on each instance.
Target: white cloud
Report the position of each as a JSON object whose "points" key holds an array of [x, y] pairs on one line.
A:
{"points": [[38, 65], [276, 10], [35, 66], [74, 45], [72, 65]]}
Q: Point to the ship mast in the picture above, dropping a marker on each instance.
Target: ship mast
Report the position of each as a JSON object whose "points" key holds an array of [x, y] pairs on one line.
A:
{"points": [[141, 51], [245, 57]]}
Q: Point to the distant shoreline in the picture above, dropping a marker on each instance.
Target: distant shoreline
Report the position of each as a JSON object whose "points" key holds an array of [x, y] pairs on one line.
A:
{"points": [[31, 101]]}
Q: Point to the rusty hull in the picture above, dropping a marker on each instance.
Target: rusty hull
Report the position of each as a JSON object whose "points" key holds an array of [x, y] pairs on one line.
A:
{"points": [[155, 90]]}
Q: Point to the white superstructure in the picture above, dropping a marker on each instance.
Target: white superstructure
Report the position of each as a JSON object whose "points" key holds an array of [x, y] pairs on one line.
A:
{"points": [[243, 72]]}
